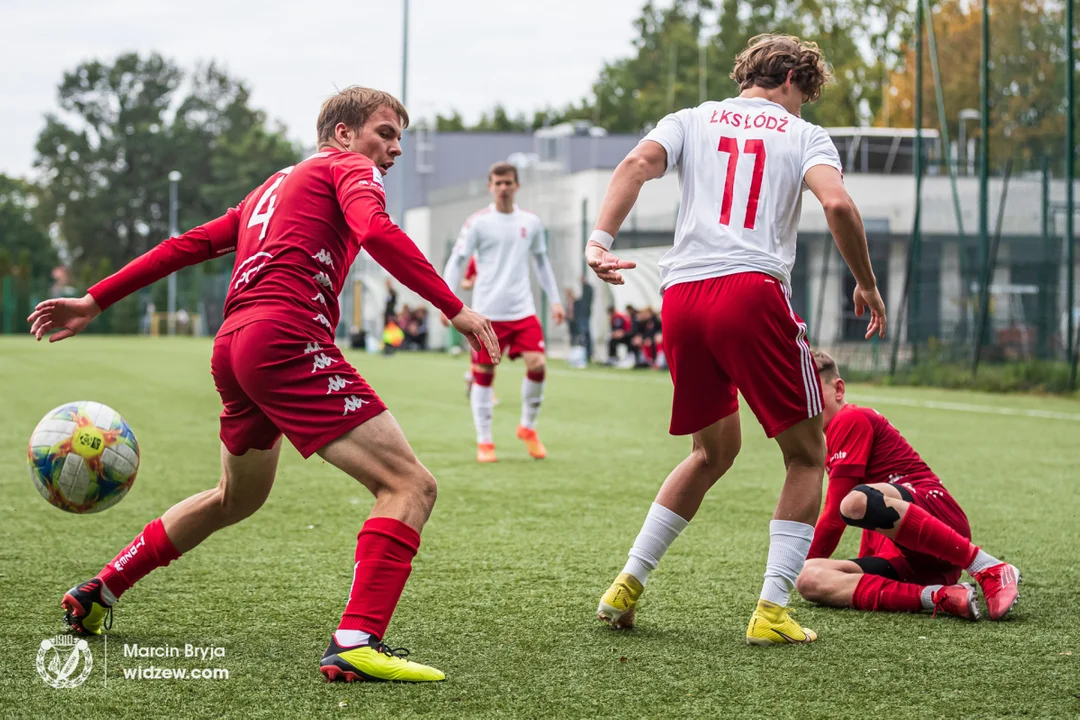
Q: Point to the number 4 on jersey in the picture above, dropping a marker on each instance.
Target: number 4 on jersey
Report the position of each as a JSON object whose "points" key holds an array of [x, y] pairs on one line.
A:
{"points": [[264, 209], [755, 147]]}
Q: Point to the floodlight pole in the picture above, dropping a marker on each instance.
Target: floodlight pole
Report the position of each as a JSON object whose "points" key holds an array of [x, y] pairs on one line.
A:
{"points": [[1070, 171], [984, 149], [174, 180]]}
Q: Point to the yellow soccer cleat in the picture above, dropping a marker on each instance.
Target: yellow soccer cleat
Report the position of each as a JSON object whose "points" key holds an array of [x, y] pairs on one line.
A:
{"points": [[532, 442], [618, 606], [374, 662], [772, 625], [485, 453]]}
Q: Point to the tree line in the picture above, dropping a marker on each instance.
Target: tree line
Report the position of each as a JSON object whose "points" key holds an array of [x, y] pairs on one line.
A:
{"points": [[100, 195]]}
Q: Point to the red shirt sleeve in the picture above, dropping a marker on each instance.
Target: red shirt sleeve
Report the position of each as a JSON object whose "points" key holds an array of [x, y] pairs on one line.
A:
{"points": [[470, 270], [848, 442], [830, 526], [360, 193], [215, 238]]}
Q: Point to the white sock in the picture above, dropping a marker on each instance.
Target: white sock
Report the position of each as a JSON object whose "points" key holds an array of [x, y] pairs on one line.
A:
{"points": [[532, 394], [661, 528], [927, 597], [789, 543], [351, 638], [981, 562], [107, 594], [480, 399]]}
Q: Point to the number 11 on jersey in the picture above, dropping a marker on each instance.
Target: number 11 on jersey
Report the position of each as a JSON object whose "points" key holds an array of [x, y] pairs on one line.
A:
{"points": [[755, 147]]}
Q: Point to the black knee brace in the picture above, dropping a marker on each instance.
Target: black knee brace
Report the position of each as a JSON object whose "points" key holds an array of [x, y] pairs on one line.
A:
{"points": [[878, 516]]}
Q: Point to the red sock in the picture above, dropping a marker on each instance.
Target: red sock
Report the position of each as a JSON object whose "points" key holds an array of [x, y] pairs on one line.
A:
{"points": [[384, 551], [922, 532], [881, 594], [483, 379], [150, 550]]}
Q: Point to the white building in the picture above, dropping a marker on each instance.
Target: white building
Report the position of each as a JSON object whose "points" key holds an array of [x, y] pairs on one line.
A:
{"points": [[565, 170]]}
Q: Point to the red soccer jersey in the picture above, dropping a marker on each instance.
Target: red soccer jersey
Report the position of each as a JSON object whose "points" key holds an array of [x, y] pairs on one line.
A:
{"points": [[862, 447], [299, 234], [295, 238]]}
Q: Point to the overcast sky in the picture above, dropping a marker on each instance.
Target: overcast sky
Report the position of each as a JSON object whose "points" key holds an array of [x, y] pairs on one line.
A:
{"points": [[463, 54]]}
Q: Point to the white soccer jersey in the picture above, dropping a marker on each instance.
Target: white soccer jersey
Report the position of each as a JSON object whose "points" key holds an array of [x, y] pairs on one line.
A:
{"points": [[741, 165], [504, 244]]}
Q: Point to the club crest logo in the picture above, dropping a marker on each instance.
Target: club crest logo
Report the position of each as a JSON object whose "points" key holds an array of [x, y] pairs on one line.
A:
{"points": [[64, 661]]}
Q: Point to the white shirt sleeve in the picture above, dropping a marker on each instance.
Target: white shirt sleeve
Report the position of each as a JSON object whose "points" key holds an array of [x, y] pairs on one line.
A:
{"points": [[670, 132], [818, 149], [464, 248], [542, 265]]}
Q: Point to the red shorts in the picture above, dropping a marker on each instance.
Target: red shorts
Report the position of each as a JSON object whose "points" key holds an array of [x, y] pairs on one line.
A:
{"points": [[515, 337], [275, 379], [916, 567], [731, 334]]}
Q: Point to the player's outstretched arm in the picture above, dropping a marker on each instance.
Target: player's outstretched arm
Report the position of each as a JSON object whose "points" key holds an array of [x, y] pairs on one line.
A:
{"points": [[65, 317], [645, 162], [846, 226]]}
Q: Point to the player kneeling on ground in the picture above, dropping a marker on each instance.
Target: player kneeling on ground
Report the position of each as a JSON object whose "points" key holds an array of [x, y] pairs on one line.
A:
{"points": [[916, 539]]}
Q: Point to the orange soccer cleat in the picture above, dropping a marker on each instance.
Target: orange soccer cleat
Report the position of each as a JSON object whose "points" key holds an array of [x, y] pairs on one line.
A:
{"points": [[485, 453], [532, 442]]}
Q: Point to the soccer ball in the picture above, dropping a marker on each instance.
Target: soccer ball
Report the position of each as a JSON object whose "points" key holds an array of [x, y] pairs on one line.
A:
{"points": [[83, 457]]}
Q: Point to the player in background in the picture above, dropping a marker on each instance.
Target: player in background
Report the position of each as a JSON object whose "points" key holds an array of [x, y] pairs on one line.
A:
{"points": [[278, 370], [506, 240], [916, 539], [727, 316]]}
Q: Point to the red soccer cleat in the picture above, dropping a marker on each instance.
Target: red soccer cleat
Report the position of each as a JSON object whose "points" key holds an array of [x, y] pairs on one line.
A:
{"points": [[956, 600], [1000, 587]]}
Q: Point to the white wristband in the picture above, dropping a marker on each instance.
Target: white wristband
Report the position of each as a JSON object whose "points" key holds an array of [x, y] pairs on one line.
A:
{"points": [[602, 238]]}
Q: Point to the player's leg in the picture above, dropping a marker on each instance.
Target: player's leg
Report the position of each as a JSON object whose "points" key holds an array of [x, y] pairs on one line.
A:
{"points": [[829, 582], [713, 451], [761, 344], [377, 455], [790, 533], [244, 486], [247, 476], [892, 510], [872, 584], [527, 340], [705, 405], [482, 401], [532, 396]]}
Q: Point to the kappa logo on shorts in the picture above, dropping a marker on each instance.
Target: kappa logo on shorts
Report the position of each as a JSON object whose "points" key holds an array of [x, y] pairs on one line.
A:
{"points": [[319, 298], [323, 256], [322, 320], [353, 403], [337, 383], [322, 360], [312, 347]]}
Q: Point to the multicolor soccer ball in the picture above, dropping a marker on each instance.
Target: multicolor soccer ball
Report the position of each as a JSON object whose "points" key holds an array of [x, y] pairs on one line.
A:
{"points": [[83, 457]]}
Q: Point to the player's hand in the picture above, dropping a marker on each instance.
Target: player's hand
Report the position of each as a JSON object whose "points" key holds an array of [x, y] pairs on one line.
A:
{"points": [[63, 317], [477, 329], [871, 299], [558, 314], [605, 264], [444, 320]]}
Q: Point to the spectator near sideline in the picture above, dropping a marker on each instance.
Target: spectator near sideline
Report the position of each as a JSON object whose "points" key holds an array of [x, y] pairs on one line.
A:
{"points": [[621, 327]]}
